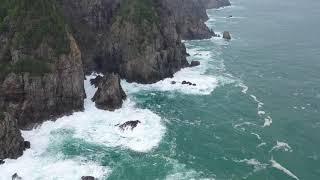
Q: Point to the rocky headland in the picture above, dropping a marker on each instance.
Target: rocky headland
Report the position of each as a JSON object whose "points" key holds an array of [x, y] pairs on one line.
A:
{"points": [[47, 47]]}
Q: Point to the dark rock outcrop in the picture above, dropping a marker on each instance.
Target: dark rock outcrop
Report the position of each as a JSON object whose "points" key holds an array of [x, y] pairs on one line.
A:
{"points": [[11, 141], [41, 68], [213, 4], [190, 17], [226, 35], [110, 94], [129, 124], [16, 177], [96, 81], [194, 63], [137, 40], [88, 178]]}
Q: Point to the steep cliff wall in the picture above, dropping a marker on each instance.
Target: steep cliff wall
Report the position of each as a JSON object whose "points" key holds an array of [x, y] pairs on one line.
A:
{"points": [[128, 37], [41, 68]]}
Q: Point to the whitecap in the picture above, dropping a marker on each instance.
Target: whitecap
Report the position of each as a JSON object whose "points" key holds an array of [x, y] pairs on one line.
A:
{"points": [[283, 169], [257, 165], [281, 146]]}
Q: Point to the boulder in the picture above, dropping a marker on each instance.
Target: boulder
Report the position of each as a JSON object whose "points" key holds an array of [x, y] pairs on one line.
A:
{"points": [[194, 63], [87, 178], [27, 145], [226, 35], [173, 82], [2, 161], [110, 94], [130, 124]]}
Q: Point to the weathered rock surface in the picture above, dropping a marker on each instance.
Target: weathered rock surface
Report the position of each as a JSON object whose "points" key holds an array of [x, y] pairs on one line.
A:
{"points": [[190, 17], [213, 4], [139, 41], [110, 94], [41, 73], [11, 141]]}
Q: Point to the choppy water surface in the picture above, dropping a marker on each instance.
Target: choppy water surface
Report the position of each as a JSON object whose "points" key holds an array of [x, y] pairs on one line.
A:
{"points": [[254, 113]]}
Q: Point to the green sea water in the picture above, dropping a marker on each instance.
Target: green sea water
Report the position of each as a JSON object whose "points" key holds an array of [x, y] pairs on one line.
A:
{"points": [[254, 113]]}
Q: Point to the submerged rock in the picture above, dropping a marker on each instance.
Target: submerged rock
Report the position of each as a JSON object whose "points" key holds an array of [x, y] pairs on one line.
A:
{"points": [[110, 94], [131, 124], [226, 35], [173, 82], [194, 63], [16, 177], [88, 178]]}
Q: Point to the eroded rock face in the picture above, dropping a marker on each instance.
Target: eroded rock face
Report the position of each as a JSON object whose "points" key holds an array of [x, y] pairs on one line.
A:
{"points": [[11, 142], [212, 4], [110, 94], [190, 17], [33, 97], [113, 37]]}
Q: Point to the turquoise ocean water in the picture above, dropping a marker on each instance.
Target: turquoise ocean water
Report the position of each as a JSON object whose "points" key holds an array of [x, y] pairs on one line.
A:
{"points": [[254, 113]]}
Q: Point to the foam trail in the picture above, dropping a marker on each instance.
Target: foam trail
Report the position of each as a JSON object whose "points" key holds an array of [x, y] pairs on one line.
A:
{"points": [[257, 165], [283, 169], [281, 146]]}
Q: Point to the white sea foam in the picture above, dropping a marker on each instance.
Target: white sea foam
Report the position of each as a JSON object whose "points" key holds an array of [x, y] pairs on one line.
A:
{"points": [[205, 84], [283, 169], [281, 146], [257, 135], [257, 165], [93, 126], [261, 144]]}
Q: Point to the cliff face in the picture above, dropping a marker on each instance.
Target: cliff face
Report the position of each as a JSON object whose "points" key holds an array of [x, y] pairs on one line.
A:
{"points": [[128, 37], [190, 17], [41, 68], [11, 141], [212, 4]]}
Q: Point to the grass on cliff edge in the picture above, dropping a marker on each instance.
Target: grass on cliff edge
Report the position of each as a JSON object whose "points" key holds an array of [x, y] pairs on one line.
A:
{"points": [[32, 22], [35, 21], [139, 11]]}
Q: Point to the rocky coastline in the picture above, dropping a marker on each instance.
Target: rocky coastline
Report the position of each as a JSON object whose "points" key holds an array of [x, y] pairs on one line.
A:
{"points": [[47, 47]]}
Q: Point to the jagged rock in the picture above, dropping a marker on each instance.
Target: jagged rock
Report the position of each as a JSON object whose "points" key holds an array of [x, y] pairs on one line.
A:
{"points": [[190, 17], [32, 97], [184, 82], [2, 161], [110, 94], [143, 50], [130, 124], [96, 81], [88, 178], [11, 141], [16, 177], [213, 4], [194, 63], [27, 145], [226, 35]]}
